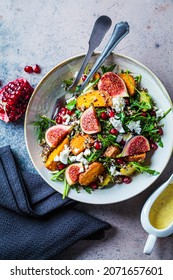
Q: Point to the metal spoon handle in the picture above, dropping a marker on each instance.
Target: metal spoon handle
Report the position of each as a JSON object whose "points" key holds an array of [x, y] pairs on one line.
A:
{"points": [[120, 31], [101, 26]]}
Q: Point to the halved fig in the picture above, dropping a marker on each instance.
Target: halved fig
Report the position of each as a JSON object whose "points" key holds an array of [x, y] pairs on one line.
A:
{"points": [[113, 84], [55, 134], [72, 173], [136, 145], [89, 122]]}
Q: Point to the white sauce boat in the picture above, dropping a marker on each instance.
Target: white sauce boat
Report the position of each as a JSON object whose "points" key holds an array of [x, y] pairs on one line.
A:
{"points": [[145, 221]]}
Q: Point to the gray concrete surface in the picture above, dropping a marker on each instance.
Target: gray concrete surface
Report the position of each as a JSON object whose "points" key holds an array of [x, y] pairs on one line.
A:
{"points": [[48, 31]]}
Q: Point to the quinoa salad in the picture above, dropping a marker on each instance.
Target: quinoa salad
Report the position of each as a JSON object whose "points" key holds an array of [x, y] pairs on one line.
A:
{"points": [[103, 136]]}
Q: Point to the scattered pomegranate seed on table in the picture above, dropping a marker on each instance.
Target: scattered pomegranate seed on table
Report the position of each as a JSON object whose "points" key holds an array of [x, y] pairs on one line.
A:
{"points": [[37, 69], [28, 69]]}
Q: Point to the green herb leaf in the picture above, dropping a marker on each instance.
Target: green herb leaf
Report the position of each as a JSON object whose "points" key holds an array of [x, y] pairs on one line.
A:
{"points": [[144, 169], [66, 189], [90, 85], [71, 105], [88, 189], [107, 69], [58, 176], [42, 124]]}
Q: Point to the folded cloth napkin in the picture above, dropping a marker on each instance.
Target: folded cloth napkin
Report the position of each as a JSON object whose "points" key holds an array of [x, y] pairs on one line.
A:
{"points": [[35, 222]]}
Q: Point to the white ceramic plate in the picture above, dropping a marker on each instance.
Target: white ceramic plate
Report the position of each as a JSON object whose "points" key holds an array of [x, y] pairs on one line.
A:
{"points": [[43, 100]]}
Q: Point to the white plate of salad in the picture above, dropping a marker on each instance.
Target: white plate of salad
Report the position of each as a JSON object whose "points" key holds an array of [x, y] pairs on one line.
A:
{"points": [[108, 143]]}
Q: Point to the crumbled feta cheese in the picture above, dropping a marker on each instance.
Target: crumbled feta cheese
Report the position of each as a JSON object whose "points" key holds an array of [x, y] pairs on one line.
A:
{"points": [[119, 138], [72, 158], [159, 113], [118, 103], [134, 126], [67, 119], [63, 157], [100, 178], [81, 169], [116, 122], [80, 158], [113, 171], [87, 152]]}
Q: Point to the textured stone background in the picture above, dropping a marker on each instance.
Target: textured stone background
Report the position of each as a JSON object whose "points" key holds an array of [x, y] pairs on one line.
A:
{"points": [[48, 31]]}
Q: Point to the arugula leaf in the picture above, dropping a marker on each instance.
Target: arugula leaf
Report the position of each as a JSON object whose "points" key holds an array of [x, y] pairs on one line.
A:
{"points": [[90, 85], [88, 189], [144, 169], [71, 105], [58, 176], [66, 189], [42, 124], [107, 69]]}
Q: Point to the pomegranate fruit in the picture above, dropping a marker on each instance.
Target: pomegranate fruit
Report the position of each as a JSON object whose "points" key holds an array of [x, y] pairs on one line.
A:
{"points": [[14, 98]]}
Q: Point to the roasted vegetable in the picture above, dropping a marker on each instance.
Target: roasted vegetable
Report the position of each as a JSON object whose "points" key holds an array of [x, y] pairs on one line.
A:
{"points": [[129, 82], [97, 98], [128, 170], [50, 163], [91, 174], [79, 143], [112, 151], [137, 158]]}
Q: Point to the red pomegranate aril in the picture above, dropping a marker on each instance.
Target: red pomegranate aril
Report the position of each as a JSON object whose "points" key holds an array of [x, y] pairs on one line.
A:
{"points": [[153, 113], [127, 179], [63, 111], [84, 77], [94, 186], [104, 116], [143, 114], [59, 119], [70, 112], [114, 131], [153, 145], [36, 69], [61, 166], [120, 161], [160, 131], [122, 142], [97, 145], [14, 98], [111, 114], [28, 69]]}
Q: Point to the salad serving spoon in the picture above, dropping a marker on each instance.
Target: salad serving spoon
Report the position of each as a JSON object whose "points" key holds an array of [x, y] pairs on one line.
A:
{"points": [[121, 29], [100, 28]]}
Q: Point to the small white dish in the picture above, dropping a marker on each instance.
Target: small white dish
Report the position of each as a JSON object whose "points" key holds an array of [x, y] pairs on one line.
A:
{"points": [[149, 217]]}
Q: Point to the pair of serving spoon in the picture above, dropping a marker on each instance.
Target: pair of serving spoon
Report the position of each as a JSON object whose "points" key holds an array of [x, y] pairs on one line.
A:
{"points": [[100, 28]]}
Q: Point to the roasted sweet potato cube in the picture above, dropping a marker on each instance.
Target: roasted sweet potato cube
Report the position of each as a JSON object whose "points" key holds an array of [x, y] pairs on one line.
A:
{"points": [[97, 98], [91, 174], [137, 158], [112, 151], [129, 81]]}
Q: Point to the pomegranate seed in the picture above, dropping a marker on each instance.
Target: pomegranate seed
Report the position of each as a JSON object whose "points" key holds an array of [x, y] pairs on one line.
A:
{"points": [[153, 113], [94, 186], [111, 114], [127, 179], [61, 166], [36, 69], [97, 145], [63, 111], [59, 119], [122, 142], [114, 131], [84, 77], [70, 112], [127, 101], [160, 131], [153, 145], [28, 69], [143, 114], [14, 98], [104, 116], [120, 161]]}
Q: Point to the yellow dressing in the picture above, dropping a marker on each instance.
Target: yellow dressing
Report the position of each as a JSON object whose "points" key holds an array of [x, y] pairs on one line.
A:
{"points": [[161, 212]]}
